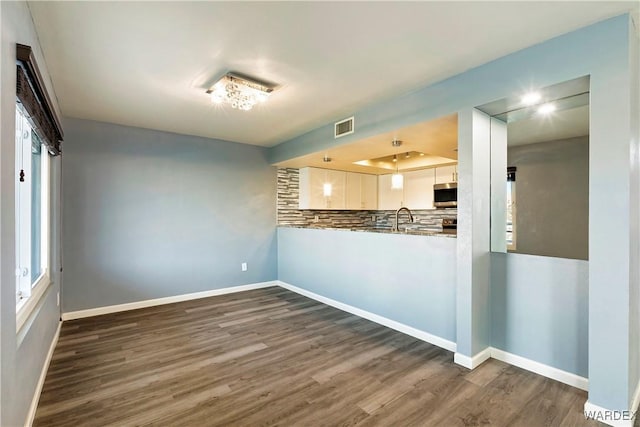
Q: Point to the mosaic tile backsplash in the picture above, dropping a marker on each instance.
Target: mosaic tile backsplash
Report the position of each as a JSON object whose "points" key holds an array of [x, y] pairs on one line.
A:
{"points": [[289, 214]]}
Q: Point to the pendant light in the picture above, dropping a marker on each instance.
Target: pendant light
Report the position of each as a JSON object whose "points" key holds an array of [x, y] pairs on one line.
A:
{"points": [[326, 187], [397, 180]]}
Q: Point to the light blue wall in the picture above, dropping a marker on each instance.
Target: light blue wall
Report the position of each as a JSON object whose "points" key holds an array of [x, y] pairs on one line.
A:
{"points": [[22, 354], [473, 257], [149, 214], [610, 202], [409, 279], [540, 309], [601, 51]]}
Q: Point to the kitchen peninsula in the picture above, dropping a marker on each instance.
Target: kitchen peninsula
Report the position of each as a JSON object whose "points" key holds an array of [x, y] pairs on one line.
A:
{"points": [[330, 254]]}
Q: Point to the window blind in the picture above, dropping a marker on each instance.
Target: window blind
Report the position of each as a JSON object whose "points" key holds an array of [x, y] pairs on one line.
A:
{"points": [[32, 95]]}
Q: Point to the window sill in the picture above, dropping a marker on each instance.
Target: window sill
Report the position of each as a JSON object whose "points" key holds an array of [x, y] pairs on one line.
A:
{"points": [[25, 307]]}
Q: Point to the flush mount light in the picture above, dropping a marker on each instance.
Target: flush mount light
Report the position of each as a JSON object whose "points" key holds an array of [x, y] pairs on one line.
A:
{"points": [[326, 159], [531, 98], [239, 91], [546, 109]]}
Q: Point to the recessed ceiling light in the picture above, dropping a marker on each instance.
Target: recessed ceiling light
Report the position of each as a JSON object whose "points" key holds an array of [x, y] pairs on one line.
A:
{"points": [[546, 108], [531, 98]]}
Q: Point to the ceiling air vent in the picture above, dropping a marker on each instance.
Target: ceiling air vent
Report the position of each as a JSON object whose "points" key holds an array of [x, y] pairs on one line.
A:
{"points": [[343, 127]]}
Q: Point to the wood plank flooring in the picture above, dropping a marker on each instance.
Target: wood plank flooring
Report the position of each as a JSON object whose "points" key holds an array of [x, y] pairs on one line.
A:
{"points": [[273, 357]]}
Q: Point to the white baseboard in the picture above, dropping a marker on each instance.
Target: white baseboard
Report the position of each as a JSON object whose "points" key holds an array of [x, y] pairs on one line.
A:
{"points": [[71, 315], [416, 333], [43, 374], [607, 416], [541, 369], [472, 362]]}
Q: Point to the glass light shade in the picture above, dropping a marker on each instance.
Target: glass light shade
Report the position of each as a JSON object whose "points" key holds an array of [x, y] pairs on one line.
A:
{"points": [[397, 181], [326, 189]]}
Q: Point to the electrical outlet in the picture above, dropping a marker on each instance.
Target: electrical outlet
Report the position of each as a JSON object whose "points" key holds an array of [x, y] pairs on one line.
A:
{"points": [[316, 218], [244, 266]]}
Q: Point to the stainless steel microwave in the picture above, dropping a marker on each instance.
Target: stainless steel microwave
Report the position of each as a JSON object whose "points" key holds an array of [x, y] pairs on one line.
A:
{"points": [[445, 195]]}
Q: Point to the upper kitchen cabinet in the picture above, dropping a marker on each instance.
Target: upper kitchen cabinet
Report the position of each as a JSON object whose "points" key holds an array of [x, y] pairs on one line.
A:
{"points": [[331, 189], [388, 198], [446, 174], [361, 191], [418, 189], [322, 189]]}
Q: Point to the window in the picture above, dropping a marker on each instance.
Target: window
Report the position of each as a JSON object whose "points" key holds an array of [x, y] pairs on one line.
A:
{"points": [[38, 135], [32, 216], [511, 208]]}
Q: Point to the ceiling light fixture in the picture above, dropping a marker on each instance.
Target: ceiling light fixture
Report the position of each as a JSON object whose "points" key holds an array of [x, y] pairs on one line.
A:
{"points": [[396, 143], [531, 98], [239, 91], [546, 109], [326, 159]]}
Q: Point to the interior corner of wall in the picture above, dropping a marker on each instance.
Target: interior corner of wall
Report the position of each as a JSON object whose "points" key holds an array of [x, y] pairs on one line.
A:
{"points": [[635, 22]]}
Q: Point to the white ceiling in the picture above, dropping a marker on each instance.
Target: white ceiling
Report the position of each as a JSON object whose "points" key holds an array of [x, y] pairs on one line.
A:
{"points": [[148, 64]]}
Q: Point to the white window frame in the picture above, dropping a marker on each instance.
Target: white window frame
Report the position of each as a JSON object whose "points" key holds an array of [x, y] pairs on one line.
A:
{"points": [[511, 189], [29, 293]]}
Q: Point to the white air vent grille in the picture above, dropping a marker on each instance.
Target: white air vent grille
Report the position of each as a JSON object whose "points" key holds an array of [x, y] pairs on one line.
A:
{"points": [[344, 127]]}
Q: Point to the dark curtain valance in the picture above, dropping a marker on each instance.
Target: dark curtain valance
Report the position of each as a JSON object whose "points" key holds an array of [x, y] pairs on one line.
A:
{"points": [[33, 96]]}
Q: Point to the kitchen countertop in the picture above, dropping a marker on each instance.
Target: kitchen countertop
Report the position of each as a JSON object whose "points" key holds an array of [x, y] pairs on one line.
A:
{"points": [[382, 230]]}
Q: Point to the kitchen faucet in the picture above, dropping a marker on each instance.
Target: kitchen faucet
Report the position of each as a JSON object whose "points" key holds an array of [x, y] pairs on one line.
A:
{"points": [[395, 224]]}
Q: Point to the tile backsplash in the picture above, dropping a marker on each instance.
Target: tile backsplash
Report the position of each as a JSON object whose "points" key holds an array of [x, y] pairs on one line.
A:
{"points": [[289, 214]]}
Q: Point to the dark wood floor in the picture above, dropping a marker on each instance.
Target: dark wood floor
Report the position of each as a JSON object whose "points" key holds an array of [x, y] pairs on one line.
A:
{"points": [[272, 357]]}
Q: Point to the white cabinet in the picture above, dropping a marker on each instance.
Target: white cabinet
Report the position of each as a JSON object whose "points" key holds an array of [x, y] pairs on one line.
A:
{"points": [[369, 192], [446, 174], [418, 189], [353, 192], [313, 182], [388, 198], [349, 190], [362, 191]]}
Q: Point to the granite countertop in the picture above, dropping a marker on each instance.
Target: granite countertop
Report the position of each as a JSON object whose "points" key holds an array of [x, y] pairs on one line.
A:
{"points": [[385, 230]]}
